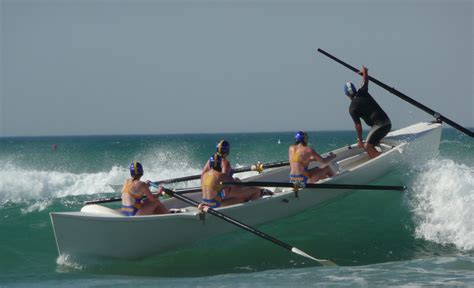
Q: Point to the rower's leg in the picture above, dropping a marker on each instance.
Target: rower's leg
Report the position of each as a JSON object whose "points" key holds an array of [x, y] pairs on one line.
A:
{"points": [[150, 208], [317, 173], [371, 150], [241, 194]]}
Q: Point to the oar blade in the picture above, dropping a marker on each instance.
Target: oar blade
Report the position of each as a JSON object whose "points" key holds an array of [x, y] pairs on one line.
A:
{"points": [[323, 262]]}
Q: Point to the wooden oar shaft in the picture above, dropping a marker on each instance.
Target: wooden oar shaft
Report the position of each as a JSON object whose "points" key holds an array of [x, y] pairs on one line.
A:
{"points": [[237, 170], [265, 166], [392, 90], [316, 185], [180, 179], [246, 227], [119, 198]]}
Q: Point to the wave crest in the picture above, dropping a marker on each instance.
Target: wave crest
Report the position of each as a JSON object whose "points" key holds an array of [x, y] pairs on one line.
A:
{"points": [[443, 203]]}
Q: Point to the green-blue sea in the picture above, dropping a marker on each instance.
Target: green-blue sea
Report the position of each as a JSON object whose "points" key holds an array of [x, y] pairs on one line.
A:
{"points": [[421, 237]]}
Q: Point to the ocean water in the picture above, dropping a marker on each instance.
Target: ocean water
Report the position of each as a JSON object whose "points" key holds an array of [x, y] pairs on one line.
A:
{"points": [[421, 237]]}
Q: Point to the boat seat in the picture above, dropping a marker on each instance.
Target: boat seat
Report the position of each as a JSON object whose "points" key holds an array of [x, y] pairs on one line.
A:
{"points": [[101, 210]]}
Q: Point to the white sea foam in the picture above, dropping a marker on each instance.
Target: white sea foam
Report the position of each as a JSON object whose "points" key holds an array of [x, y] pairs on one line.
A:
{"points": [[37, 206], [36, 188], [443, 203], [19, 185], [65, 263]]}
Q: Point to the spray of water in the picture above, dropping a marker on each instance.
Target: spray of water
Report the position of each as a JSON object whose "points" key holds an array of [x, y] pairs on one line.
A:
{"points": [[443, 203], [20, 185], [23, 185], [65, 264]]}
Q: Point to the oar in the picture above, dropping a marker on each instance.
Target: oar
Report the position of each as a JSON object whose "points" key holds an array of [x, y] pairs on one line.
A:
{"points": [[119, 198], [259, 167], [248, 228], [256, 167], [315, 185], [392, 90]]}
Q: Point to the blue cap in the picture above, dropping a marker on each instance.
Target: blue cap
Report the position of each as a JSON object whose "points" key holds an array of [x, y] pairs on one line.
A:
{"points": [[349, 89], [301, 137], [223, 147], [136, 169]]}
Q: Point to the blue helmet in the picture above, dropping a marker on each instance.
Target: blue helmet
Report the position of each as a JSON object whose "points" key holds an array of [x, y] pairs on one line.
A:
{"points": [[215, 162], [136, 169], [223, 147], [349, 89], [301, 137]]}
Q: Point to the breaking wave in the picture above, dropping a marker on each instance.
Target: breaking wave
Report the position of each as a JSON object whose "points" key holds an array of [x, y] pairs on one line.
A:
{"points": [[443, 203], [20, 185]]}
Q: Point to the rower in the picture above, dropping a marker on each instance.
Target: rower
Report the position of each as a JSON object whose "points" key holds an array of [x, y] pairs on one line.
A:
{"points": [[215, 194], [133, 191], [223, 150], [300, 155]]}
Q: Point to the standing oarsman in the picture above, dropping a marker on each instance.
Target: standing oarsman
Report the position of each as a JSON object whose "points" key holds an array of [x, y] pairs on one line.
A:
{"points": [[364, 106]]}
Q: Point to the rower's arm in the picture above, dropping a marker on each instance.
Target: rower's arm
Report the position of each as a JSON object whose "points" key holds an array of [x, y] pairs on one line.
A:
{"points": [[205, 169], [226, 168], [145, 190], [316, 157], [365, 78]]}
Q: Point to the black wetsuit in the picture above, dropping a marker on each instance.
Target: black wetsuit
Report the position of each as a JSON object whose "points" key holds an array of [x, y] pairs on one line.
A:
{"points": [[364, 106]]}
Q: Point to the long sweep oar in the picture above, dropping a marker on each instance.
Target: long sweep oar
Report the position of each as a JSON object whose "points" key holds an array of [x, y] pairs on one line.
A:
{"points": [[259, 167], [315, 185], [256, 167], [119, 198], [392, 90], [248, 228]]}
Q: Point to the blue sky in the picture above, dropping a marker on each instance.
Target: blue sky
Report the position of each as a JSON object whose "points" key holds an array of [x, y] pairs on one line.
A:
{"points": [[153, 67]]}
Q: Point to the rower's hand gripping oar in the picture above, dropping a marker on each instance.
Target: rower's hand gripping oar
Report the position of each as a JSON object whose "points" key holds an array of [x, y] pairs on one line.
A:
{"points": [[246, 227], [315, 185], [392, 90]]}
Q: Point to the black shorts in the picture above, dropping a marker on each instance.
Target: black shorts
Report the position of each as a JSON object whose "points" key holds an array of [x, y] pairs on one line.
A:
{"points": [[377, 132]]}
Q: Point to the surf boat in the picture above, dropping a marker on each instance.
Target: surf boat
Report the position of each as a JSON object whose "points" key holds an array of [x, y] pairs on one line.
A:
{"points": [[100, 231]]}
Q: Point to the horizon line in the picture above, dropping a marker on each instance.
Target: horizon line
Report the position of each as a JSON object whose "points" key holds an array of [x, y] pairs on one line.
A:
{"points": [[191, 133]]}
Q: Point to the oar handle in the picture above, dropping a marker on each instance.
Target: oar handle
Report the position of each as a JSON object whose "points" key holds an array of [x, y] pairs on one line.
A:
{"points": [[392, 90], [315, 185]]}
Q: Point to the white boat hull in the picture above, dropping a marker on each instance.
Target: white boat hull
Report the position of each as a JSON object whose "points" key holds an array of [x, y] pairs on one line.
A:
{"points": [[99, 231]]}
